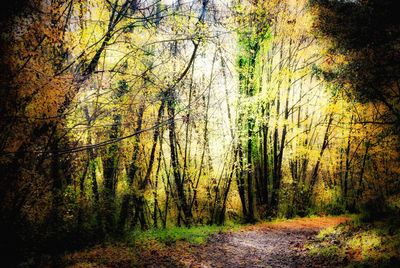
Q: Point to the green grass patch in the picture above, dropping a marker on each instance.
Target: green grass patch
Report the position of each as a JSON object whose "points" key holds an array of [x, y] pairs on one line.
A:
{"points": [[373, 244], [368, 242], [193, 235], [326, 232], [326, 252]]}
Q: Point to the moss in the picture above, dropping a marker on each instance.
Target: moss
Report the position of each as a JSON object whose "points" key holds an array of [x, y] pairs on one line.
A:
{"points": [[326, 252], [326, 232], [374, 244], [367, 242]]}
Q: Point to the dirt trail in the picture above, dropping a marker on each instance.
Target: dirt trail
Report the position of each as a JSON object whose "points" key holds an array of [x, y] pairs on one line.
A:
{"points": [[261, 245]]}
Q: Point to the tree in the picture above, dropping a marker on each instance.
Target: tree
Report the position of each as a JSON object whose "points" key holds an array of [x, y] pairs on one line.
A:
{"points": [[363, 54]]}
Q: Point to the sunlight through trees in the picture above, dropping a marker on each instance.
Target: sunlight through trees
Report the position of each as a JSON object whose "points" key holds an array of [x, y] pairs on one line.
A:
{"points": [[138, 114]]}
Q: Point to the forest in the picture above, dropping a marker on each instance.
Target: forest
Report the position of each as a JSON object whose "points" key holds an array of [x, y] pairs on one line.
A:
{"points": [[130, 127]]}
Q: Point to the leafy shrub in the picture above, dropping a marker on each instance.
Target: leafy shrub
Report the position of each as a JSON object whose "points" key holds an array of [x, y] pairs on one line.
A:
{"points": [[375, 209]]}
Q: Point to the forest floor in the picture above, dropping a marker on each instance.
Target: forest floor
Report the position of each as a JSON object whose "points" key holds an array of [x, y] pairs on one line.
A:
{"points": [[274, 244], [278, 244]]}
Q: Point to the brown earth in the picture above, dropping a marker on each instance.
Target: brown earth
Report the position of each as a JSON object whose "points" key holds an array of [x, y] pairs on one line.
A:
{"points": [[278, 244]]}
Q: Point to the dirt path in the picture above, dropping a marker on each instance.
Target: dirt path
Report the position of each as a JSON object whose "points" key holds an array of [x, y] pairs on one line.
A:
{"points": [[279, 244], [261, 245]]}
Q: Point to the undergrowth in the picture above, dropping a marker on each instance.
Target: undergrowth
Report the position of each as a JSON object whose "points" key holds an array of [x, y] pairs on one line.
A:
{"points": [[193, 235], [152, 243], [359, 244]]}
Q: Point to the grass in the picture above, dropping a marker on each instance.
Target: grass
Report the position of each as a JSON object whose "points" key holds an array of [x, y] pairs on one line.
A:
{"points": [[194, 235], [326, 252], [174, 244], [141, 244], [374, 244], [199, 234], [326, 232]]}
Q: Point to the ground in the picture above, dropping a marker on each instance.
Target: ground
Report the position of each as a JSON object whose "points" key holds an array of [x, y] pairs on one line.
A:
{"points": [[277, 244]]}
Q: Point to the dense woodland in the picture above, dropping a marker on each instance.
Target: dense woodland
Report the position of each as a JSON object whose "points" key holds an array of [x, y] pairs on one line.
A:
{"points": [[123, 115]]}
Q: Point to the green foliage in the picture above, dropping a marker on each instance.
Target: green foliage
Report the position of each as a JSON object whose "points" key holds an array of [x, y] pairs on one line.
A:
{"points": [[362, 245], [122, 89], [86, 102], [375, 209], [366, 34], [328, 252], [332, 208], [195, 235]]}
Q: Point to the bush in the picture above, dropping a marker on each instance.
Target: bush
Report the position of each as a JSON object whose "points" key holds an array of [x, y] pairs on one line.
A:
{"points": [[335, 209], [375, 209]]}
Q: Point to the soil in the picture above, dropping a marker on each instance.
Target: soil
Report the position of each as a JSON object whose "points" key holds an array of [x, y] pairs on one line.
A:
{"points": [[278, 244]]}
